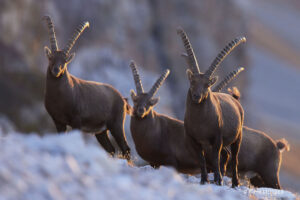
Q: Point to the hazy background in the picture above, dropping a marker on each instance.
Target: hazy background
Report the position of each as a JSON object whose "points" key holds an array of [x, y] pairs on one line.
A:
{"points": [[145, 31]]}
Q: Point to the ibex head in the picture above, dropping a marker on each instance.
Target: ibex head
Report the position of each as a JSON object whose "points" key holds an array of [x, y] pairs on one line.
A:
{"points": [[200, 83], [144, 102], [58, 59]]}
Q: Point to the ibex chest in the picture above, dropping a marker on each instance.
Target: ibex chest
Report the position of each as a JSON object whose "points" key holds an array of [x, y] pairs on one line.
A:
{"points": [[59, 107], [147, 137], [201, 122]]}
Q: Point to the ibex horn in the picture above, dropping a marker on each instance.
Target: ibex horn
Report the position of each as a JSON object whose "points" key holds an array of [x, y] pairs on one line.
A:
{"points": [[53, 42], [136, 77], [221, 56], [77, 33], [228, 79], [191, 58], [158, 83]]}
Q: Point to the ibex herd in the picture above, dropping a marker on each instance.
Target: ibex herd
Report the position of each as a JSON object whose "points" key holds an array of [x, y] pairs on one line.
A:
{"points": [[211, 134]]}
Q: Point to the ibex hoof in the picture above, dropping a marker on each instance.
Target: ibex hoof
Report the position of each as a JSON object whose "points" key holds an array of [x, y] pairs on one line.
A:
{"points": [[218, 182], [235, 183], [127, 155], [218, 179], [203, 181]]}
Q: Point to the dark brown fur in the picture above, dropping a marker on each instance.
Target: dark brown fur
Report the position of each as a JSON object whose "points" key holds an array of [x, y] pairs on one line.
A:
{"points": [[161, 140], [211, 118], [259, 154], [86, 105], [218, 122]]}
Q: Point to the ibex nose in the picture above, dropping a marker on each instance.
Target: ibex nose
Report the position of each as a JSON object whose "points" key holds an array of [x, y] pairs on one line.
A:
{"points": [[196, 96], [55, 70], [140, 110]]}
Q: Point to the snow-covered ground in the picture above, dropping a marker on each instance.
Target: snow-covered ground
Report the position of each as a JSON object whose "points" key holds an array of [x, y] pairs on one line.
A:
{"points": [[67, 167]]}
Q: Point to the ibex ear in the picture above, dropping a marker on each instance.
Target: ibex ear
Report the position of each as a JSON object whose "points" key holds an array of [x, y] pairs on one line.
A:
{"points": [[213, 80], [70, 57], [153, 101], [189, 74], [47, 52], [133, 95]]}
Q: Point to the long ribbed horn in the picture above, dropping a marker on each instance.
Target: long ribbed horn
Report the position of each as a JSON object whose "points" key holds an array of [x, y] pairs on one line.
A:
{"points": [[158, 83], [222, 55], [77, 33], [53, 42], [136, 77], [228, 79], [192, 61]]}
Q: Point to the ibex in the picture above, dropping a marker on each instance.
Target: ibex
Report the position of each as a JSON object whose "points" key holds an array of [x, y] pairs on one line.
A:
{"points": [[160, 139], [259, 154], [212, 118], [90, 106]]}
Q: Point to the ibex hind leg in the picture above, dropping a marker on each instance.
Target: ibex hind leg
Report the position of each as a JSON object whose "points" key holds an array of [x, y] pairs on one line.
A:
{"points": [[235, 148], [154, 166], [217, 146], [60, 127], [257, 181], [105, 142], [117, 131], [224, 158], [271, 179]]}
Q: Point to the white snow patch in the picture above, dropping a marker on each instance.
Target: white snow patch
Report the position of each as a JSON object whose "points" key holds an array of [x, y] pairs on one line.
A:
{"points": [[65, 167]]}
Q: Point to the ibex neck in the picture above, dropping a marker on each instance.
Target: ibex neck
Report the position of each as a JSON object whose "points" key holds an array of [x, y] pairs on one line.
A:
{"points": [[56, 85], [64, 77], [148, 116], [190, 100]]}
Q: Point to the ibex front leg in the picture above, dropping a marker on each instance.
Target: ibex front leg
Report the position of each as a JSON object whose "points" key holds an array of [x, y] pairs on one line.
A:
{"points": [[204, 178], [217, 146]]}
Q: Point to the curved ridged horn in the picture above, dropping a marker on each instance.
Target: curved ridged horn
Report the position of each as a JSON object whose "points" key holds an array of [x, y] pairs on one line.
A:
{"points": [[77, 33], [53, 42], [158, 83], [136, 77], [228, 79], [222, 55], [191, 58]]}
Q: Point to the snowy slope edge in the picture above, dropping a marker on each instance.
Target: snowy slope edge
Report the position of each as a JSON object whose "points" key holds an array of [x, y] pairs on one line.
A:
{"points": [[65, 167]]}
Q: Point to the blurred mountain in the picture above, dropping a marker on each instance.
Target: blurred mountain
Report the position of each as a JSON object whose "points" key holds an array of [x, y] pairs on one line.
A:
{"points": [[142, 30]]}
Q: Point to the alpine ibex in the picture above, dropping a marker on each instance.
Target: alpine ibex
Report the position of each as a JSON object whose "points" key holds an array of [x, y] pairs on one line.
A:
{"points": [[259, 154], [90, 106], [160, 139], [212, 118], [155, 135]]}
